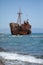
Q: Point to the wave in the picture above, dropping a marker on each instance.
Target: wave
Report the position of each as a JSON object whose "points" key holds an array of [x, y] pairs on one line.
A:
{"points": [[24, 58], [36, 36], [16, 36]]}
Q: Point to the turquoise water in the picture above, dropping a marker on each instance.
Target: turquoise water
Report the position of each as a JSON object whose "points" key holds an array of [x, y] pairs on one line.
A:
{"points": [[23, 44]]}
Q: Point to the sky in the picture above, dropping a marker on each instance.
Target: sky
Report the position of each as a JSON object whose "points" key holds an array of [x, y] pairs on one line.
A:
{"points": [[31, 9]]}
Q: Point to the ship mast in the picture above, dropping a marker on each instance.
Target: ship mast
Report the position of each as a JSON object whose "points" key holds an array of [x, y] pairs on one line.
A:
{"points": [[19, 17]]}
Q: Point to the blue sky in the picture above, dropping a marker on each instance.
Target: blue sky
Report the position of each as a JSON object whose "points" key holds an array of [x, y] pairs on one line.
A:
{"points": [[31, 9]]}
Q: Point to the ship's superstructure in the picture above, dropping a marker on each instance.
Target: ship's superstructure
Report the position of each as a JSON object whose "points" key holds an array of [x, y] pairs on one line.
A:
{"points": [[18, 28]]}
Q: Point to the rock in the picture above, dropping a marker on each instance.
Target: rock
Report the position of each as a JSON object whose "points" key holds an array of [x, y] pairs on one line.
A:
{"points": [[2, 49], [2, 61]]}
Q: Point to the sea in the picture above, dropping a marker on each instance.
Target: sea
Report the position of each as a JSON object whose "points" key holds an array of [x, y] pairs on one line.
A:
{"points": [[21, 49]]}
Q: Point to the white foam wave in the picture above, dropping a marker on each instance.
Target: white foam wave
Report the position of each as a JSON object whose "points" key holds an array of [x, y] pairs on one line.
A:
{"points": [[16, 36], [25, 58]]}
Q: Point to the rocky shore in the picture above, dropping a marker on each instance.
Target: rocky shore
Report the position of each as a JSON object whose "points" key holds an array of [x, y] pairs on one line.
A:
{"points": [[2, 61]]}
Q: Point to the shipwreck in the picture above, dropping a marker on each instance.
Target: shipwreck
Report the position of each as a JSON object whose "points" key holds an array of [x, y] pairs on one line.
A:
{"points": [[20, 29]]}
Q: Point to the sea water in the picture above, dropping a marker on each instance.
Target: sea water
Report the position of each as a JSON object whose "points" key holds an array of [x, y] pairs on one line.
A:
{"points": [[22, 49]]}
